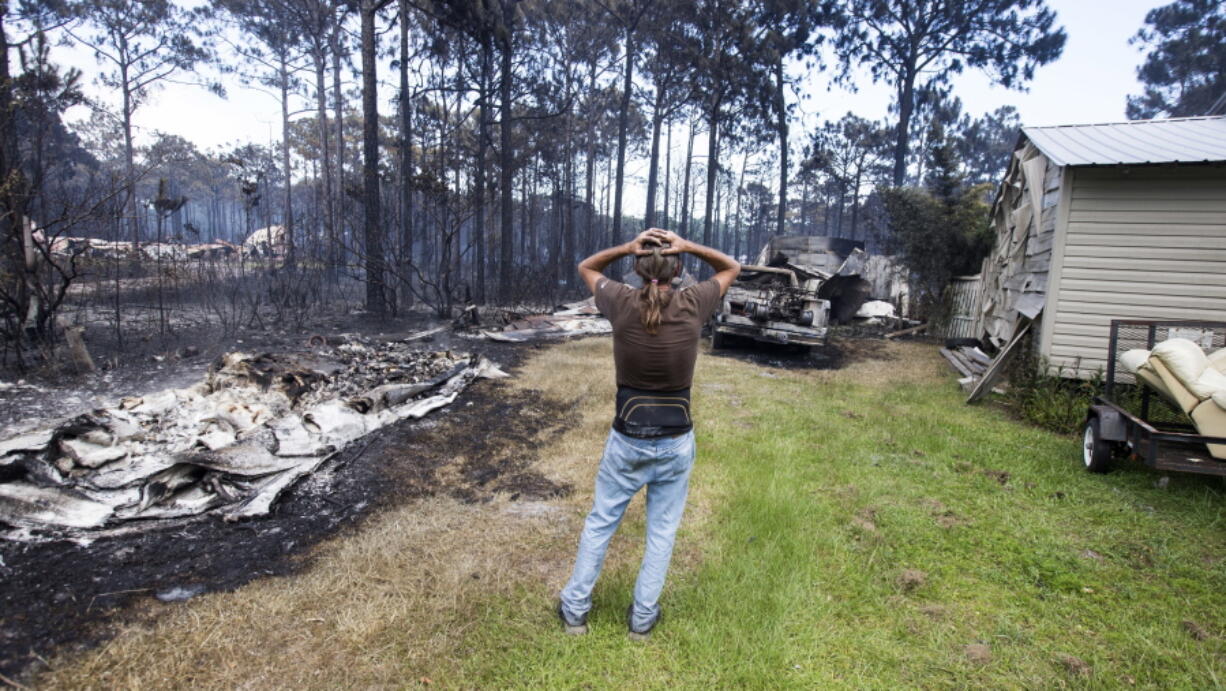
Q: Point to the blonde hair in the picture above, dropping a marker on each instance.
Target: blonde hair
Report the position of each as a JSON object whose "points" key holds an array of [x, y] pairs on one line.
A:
{"points": [[653, 298]]}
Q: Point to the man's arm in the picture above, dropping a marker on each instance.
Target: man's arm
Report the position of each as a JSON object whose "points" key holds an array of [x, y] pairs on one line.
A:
{"points": [[591, 269], [726, 268]]}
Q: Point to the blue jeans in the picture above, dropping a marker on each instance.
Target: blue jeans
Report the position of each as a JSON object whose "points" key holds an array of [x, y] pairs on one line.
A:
{"points": [[663, 465]]}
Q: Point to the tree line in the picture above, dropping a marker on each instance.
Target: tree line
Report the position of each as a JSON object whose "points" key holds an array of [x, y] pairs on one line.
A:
{"points": [[494, 151]]}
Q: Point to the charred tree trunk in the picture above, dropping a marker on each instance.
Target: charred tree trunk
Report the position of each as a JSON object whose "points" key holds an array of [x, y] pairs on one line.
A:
{"points": [[506, 178], [376, 301], [653, 167], [668, 171], [483, 137], [623, 122], [781, 127], [902, 138], [288, 214], [406, 162], [338, 110], [685, 185], [712, 168]]}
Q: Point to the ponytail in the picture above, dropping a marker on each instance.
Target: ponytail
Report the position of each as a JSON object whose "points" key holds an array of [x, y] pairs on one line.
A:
{"points": [[653, 268]]}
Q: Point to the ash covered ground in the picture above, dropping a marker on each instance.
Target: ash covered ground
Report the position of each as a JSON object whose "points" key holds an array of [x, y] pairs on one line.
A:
{"points": [[59, 595]]}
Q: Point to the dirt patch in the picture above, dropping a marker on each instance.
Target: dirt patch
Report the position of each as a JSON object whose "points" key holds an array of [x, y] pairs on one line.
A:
{"points": [[61, 595], [911, 579], [789, 357], [856, 350], [1195, 630], [1000, 476], [1075, 666], [865, 520], [977, 653], [944, 516]]}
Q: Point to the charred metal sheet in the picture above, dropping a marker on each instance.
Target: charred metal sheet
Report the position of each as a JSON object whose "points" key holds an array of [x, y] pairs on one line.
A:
{"points": [[230, 444]]}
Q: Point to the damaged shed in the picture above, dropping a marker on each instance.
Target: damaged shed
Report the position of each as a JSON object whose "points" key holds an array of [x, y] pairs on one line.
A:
{"points": [[1100, 222]]}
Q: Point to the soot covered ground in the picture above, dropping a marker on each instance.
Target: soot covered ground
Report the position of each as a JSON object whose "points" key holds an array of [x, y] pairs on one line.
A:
{"points": [[59, 595]]}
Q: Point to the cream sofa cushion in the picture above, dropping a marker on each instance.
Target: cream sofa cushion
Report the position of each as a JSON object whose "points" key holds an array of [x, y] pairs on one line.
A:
{"points": [[1187, 362], [1132, 360], [1137, 362], [1182, 397], [1210, 420], [1182, 357], [1218, 360]]}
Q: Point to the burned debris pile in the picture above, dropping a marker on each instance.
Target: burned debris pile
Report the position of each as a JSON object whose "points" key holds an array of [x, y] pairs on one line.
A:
{"points": [[228, 445], [574, 319], [798, 287]]}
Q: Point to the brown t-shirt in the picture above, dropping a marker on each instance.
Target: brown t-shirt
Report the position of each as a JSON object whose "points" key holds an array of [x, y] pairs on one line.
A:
{"points": [[664, 361]]}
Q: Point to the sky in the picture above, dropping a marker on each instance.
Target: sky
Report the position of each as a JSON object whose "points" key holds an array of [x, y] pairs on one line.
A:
{"points": [[1088, 84]]}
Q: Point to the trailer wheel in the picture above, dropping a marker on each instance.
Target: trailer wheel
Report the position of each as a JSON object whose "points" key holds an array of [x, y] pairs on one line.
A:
{"points": [[1095, 451]]}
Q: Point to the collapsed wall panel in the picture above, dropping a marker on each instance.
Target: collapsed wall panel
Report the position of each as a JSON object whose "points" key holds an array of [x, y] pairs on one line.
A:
{"points": [[1014, 277]]}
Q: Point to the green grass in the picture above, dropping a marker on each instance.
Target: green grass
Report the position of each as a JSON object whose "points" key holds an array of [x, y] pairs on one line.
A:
{"points": [[823, 490]]}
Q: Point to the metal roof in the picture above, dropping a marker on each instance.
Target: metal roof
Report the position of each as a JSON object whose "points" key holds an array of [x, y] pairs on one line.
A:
{"points": [[1177, 140]]}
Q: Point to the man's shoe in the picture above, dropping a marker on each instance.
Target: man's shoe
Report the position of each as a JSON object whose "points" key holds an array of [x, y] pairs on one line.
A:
{"points": [[640, 634], [572, 628]]}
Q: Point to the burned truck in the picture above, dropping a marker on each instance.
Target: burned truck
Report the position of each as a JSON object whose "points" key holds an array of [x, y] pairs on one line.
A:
{"points": [[796, 289]]}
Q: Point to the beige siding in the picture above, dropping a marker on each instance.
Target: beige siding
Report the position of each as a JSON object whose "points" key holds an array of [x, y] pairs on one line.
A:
{"points": [[1141, 243]]}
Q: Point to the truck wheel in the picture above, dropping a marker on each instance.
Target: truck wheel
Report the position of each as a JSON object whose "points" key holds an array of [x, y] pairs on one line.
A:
{"points": [[1095, 451]]}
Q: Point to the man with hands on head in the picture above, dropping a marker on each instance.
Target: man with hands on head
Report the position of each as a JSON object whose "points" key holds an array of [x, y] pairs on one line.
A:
{"points": [[656, 330]]}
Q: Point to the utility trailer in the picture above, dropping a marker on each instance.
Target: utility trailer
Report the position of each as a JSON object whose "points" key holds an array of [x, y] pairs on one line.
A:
{"points": [[1129, 420]]}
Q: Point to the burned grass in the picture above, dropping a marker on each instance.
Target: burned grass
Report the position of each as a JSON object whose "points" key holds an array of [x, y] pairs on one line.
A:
{"points": [[59, 595]]}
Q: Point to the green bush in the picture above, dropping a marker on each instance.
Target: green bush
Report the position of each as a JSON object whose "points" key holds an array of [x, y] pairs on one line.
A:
{"points": [[1050, 397]]}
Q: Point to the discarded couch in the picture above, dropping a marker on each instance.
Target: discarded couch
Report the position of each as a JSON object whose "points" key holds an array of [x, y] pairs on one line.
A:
{"points": [[1192, 381]]}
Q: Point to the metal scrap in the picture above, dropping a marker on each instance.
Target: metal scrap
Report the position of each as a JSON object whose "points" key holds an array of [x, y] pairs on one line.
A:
{"points": [[576, 318], [230, 444]]}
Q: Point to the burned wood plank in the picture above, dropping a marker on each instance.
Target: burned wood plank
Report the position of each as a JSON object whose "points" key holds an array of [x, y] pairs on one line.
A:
{"points": [[998, 365], [957, 363], [908, 331]]}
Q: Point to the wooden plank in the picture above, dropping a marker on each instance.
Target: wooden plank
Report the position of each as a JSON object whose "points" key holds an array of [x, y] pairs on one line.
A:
{"points": [[977, 355], [908, 331], [998, 365], [975, 368], [958, 364]]}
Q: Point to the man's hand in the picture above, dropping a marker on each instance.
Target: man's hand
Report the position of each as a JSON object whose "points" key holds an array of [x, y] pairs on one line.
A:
{"points": [[672, 242], [647, 241]]}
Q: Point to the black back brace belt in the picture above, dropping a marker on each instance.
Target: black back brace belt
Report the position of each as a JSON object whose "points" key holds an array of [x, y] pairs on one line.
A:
{"points": [[647, 414]]}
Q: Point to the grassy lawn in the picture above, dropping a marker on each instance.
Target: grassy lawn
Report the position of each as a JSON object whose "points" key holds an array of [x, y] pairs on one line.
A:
{"points": [[859, 527], [871, 530]]}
